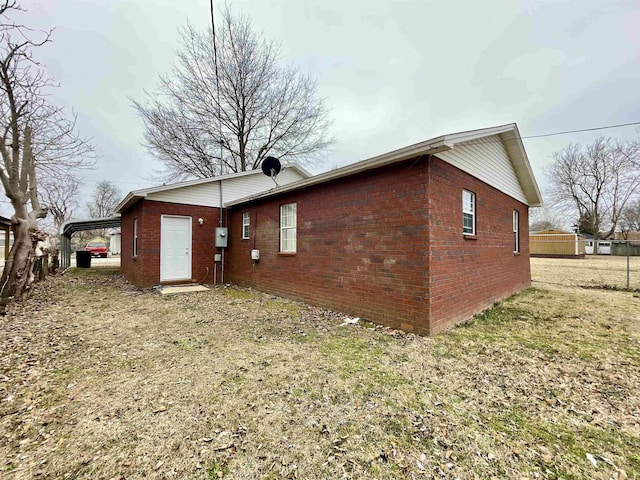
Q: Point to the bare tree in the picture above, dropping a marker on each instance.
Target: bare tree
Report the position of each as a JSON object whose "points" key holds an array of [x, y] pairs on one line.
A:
{"points": [[58, 195], [105, 200], [596, 182], [631, 218], [544, 218], [36, 139], [103, 204], [251, 106]]}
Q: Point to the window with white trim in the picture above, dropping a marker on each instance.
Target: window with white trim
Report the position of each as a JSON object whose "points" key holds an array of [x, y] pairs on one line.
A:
{"points": [[135, 237], [246, 222], [288, 223], [516, 231], [468, 212]]}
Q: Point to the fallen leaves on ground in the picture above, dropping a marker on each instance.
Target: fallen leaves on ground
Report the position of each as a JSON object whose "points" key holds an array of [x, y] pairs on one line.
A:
{"points": [[101, 380]]}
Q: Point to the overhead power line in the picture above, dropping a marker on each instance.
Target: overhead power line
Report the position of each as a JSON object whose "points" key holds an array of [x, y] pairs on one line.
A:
{"points": [[551, 134], [593, 129]]}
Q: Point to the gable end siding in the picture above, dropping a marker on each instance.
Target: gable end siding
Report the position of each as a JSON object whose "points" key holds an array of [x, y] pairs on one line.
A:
{"points": [[208, 194], [487, 160]]}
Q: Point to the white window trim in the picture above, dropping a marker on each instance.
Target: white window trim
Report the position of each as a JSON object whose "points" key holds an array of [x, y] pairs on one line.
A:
{"points": [[246, 232], [293, 227], [471, 212], [135, 237], [516, 231]]}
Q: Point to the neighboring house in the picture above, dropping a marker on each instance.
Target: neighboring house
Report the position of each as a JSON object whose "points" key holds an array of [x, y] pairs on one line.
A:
{"points": [[167, 232], [556, 244], [419, 238]]}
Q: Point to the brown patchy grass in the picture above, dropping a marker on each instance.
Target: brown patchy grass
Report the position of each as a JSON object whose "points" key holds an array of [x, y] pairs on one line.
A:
{"points": [[99, 380]]}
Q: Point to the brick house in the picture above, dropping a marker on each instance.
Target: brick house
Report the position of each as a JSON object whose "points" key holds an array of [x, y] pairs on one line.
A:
{"points": [[419, 238], [167, 231]]}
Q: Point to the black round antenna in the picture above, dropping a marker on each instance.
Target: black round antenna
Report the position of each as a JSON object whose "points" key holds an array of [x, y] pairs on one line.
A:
{"points": [[271, 167]]}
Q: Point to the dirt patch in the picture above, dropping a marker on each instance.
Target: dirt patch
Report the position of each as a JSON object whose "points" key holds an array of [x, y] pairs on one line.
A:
{"points": [[100, 380]]}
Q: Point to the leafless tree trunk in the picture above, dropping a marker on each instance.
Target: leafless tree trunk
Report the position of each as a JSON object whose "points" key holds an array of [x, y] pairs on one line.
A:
{"points": [[105, 200], [631, 218], [597, 181], [35, 139], [103, 204], [258, 106], [58, 195]]}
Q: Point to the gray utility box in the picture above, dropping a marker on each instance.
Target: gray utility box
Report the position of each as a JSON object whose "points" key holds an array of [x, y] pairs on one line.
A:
{"points": [[221, 237]]}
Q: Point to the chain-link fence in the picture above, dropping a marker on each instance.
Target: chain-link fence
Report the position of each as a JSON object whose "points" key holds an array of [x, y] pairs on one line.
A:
{"points": [[573, 260]]}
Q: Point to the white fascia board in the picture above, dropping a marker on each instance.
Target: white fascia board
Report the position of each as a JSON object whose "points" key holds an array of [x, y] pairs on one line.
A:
{"points": [[130, 199], [301, 170], [479, 133], [514, 146], [429, 147]]}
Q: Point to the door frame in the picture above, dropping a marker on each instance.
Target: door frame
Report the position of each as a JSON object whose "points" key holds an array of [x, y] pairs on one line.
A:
{"points": [[162, 240]]}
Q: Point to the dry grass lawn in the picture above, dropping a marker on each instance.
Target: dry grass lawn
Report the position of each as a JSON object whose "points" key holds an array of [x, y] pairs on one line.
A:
{"points": [[601, 271], [99, 380]]}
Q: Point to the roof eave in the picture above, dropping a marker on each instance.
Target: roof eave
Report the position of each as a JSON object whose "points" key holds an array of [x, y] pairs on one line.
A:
{"points": [[522, 166], [131, 199], [430, 147]]}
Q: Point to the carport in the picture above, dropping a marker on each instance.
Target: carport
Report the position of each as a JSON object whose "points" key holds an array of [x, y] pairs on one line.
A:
{"points": [[69, 228]]}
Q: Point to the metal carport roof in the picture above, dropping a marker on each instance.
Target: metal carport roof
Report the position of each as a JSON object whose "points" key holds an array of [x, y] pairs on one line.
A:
{"points": [[69, 228]]}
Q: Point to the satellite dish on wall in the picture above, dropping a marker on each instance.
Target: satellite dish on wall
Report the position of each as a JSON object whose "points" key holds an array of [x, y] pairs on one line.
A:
{"points": [[271, 167]]}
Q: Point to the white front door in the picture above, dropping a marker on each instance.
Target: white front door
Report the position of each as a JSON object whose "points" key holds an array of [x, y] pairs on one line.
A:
{"points": [[175, 248]]}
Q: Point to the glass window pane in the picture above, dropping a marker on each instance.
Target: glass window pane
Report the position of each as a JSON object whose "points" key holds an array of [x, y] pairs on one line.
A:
{"points": [[468, 212], [288, 228], [467, 223], [245, 224]]}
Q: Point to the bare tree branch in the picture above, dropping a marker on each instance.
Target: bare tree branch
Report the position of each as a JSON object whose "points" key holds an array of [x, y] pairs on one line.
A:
{"points": [[631, 217], [597, 182], [258, 106], [36, 139], [58, 195], [105, 200]]}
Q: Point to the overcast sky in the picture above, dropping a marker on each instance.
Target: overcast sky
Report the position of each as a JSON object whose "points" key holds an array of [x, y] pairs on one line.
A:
{"points": [[393, 72]]}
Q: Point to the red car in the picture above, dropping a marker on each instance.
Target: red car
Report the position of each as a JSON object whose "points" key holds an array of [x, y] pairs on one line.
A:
{"points": [[97, 249]]}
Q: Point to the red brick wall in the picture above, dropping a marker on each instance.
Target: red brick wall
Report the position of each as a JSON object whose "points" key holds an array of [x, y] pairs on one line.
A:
{"points": [[144, 269], [469, 275], [361, 246], [131, 267]]}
